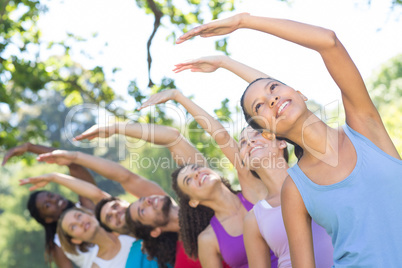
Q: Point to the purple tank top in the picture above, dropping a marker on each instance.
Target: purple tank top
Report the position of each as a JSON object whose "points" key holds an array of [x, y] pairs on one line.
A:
{"points": [[232, 247]]}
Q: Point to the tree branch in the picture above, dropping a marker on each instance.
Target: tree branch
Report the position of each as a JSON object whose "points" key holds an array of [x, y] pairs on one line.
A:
{"points": [[158, 15]]}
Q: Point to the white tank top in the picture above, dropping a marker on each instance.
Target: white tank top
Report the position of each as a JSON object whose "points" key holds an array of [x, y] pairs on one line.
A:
{"points": [[119, 261]]}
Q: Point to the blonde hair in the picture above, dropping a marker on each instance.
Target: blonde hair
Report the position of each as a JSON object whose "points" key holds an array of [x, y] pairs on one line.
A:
{"points": [[65, 239]]}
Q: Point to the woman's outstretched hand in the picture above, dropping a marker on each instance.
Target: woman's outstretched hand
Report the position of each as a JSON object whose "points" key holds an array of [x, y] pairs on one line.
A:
{"points": [[205, 64], [37, 182], [214, 28], [60, 157], [16, 151], [97, 131], [160, 97]]}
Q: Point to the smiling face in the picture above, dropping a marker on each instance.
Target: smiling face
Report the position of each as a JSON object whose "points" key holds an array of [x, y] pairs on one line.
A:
{"points": [[258, 152], [273, 106], [50, 205], [113, 215], [197, 182], [80, 225], [152, 210]]}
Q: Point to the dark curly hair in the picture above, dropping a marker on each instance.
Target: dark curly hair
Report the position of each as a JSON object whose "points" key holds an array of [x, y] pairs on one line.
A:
{"points": [[163, 247], [250, 120], [192, 221], [98, 209], [50, 228]]}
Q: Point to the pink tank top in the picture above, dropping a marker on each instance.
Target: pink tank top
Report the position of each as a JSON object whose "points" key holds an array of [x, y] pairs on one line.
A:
{"points": [[272, 228], [232, 247]]}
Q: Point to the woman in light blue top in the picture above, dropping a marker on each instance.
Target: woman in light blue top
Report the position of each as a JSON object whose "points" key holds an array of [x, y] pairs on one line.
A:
{"points": [[347, 179]]}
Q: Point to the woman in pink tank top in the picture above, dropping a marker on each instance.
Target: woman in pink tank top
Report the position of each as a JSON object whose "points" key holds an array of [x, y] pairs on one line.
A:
{"points": [[264, 228]]}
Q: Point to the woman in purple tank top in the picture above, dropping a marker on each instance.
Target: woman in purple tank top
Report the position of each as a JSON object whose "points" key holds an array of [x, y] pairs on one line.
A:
{"points": [[215, 211], [211, 216]]}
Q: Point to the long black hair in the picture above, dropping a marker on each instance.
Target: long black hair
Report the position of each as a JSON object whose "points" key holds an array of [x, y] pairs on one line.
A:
{"points": [[50, 228], [250, 120]]}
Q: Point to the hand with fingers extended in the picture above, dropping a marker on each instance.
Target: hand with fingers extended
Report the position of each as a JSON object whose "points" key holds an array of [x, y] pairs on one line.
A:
{"points": [[97, 131], [161, 97], [205, 64], [16, 151], [214, 28], [60, 157], [37, 182]]}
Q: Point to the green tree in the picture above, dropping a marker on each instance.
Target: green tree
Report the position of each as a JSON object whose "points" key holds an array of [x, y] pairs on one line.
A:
{"points": [[385, 87]]}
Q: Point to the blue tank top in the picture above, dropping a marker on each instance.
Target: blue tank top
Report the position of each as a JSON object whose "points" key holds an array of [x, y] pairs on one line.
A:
{"points": [[363, 212], [138, 259], [232, 248]]}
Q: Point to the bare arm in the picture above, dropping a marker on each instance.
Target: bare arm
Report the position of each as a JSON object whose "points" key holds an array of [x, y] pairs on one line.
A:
{"points": [[298, 226], [75, 170], [82, 173], [212, 63], [253, 189], [78, 186], [258, 254], [183, 152], [24, 148], [131, 182], [208, 253]]}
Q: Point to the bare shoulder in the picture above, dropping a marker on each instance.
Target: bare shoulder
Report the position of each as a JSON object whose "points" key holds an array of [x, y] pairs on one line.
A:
{"points": [[208, 243], [289, 187], [250, 220], [207, 236]]}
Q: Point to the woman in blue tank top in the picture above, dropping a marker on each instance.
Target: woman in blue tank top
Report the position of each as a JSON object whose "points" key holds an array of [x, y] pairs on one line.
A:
{"points": [[347, 179]]}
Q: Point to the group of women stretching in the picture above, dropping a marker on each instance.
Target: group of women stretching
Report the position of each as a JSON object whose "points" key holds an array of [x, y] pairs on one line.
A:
{"points": [[338, 206]]}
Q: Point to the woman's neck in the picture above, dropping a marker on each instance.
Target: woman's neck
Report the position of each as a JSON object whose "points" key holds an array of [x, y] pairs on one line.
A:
{"points": [[316, 138], [223, 202], [109, 244], [274, 177]]}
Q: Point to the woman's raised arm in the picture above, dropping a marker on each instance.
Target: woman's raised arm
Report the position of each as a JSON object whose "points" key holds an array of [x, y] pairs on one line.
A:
{"points": [[78, 186], [131, 182], [360, 111], [183, 152], [252, 188], [212, 63]]}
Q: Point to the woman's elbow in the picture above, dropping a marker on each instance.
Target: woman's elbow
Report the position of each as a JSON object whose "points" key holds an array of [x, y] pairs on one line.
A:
{"points": [[330, 40]]}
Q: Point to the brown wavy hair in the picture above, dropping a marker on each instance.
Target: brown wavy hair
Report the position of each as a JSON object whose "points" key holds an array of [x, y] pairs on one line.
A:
{"points": [[65, 239], [163, 247], [192, 221]]}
